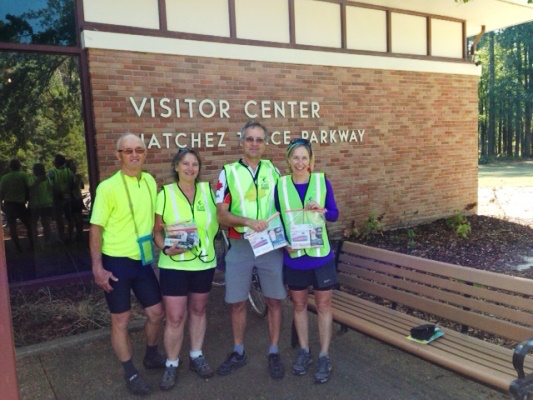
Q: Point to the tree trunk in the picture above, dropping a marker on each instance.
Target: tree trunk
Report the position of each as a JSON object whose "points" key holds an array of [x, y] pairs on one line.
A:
{"points": [[492, 108]]}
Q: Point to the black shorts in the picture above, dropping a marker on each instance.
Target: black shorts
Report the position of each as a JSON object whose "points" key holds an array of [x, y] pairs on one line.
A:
{"points": [[176, 282], [40, 212], [77, 206], [321, 278], [15, 210], [132, 275]]}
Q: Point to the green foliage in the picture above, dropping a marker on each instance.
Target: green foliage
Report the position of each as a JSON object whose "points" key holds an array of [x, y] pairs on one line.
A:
{"points": [[371, 227], [41, 113], [460, 224], [411, 237], [506, 92]]}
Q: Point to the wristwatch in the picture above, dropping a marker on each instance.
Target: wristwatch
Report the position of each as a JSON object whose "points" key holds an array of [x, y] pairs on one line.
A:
{"points": [[165, 248]]}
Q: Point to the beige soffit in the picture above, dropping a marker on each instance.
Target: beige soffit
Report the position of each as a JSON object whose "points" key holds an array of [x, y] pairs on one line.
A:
{"points": [[148, 44], [494, 14]]}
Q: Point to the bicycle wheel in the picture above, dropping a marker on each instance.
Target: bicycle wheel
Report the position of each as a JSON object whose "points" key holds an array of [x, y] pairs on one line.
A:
{"points": [[221, 247], [256, 298]]}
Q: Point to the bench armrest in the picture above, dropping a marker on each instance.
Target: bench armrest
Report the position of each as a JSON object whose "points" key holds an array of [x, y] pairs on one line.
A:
{"points": [[524, 384]]}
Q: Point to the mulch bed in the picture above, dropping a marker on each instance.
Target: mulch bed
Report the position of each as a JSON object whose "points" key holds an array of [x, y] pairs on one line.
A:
{"points": [[492, 245]]}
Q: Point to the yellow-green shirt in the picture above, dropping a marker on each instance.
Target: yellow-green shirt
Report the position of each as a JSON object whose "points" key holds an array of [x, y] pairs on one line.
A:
{"points": [[14, 186], [111, 211], [41, 195]]}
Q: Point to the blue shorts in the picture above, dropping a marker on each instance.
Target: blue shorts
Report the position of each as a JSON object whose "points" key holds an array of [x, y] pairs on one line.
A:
{"points": [[132, 275], [240, 262], [177, 282]]}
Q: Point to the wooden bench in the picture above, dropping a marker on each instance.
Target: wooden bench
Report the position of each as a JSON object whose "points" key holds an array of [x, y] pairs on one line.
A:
{"points": [[381, 290]]}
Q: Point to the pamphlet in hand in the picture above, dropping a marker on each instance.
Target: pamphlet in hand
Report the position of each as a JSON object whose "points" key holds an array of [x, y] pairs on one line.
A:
{"points": [[270, 239], [306, 229], [183, 235]]}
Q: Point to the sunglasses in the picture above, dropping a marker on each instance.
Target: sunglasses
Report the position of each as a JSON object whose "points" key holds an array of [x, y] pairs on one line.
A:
{"points": [[138, 150], [250, 140], [299, 141]]}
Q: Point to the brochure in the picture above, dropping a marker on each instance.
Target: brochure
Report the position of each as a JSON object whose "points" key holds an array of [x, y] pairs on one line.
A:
{"points": [[182, 234], [306, 229], [270, 239]]}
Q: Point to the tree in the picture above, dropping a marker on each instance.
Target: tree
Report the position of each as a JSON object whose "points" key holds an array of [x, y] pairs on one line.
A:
{"points": [[506, 92], [40, 111]]}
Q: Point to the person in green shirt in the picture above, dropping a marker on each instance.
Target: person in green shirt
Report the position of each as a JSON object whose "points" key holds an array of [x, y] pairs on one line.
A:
{"points": [[76, 204], [14, 188], [120, 239], [63, 180], [41, 198]]}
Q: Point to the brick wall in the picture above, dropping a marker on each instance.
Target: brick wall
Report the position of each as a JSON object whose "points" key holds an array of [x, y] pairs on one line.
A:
{"points": [[417, 160]]}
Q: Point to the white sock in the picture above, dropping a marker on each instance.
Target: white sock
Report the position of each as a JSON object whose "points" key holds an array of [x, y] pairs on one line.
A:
{"points": [[172, 363], [195, 354]]}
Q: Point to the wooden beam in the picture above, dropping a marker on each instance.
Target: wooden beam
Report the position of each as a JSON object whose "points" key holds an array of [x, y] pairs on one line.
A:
{"points": [[8, 367], [232, 19], [162, 8], [292, 23]]}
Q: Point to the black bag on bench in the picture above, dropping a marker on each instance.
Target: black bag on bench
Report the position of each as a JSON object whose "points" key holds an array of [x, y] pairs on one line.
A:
{"points": [[423, 332]]}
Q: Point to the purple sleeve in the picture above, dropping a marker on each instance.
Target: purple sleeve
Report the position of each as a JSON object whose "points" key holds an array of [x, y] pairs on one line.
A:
{"points": [[332, 212]]}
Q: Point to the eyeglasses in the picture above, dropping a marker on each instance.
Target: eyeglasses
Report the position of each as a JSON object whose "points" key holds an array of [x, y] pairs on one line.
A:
{"points": [[250, 140], [138, 150]]}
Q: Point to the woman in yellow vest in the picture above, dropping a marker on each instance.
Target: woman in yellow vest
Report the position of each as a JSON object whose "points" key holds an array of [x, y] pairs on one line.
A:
{"points": [[185, 215], [313, 264]]}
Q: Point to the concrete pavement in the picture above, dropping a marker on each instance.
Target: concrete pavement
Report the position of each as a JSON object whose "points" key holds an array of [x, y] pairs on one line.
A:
{"points": [[84, 367]]}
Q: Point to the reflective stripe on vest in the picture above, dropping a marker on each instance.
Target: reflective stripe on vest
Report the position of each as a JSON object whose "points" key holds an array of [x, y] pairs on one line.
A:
{"points": [[251, 198], [289, 199]]}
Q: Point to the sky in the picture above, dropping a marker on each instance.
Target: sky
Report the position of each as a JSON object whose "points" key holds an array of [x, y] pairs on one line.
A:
{"points": [[17, 7]]}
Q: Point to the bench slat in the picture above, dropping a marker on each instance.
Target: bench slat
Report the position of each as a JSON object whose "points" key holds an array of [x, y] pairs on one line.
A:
{"points": [[500, 328], [448, 297], [485, 353], [524, 303], [380, 330], [499, 281]]}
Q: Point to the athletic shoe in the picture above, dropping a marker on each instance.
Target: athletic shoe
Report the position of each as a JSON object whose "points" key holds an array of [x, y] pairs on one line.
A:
{"points": [[157, 362], [323, 372], [168, 381], [233, 361], [302, 362], [137, 385], [200, 366], [275, 366]]}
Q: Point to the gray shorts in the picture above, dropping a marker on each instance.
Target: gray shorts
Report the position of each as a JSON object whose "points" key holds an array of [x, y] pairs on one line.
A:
{"points": [[240, 262]]}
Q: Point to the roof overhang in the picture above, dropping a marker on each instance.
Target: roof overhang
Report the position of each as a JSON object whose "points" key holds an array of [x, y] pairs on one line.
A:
{"points": [[494, 14]]}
